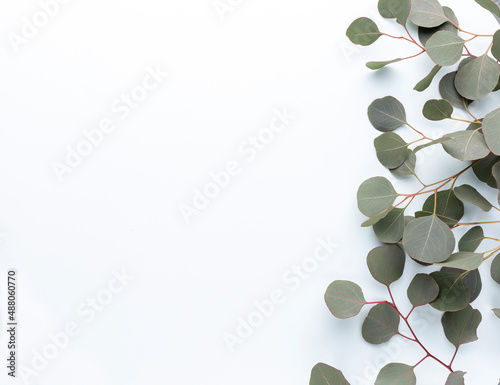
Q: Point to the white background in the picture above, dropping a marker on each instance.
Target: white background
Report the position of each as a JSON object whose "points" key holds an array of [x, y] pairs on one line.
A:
{"points": [[119, 209]]}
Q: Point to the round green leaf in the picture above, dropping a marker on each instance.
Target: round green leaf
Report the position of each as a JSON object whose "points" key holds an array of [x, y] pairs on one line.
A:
{"points": [[323, 374], [423, 84], [456, 378], [344, 299], [363, 31], [386, 263], [471, 279], [484, 169], [381, 324], [471, 240], [396, 374], [477, 78], [460, 327], [453, 294], [408, 166], [428, 239], [449, 209], [463, 260], [427, 13], [497, 312], [495, 48], [449, 92], [469, 194], [386, 114], [437, 109], [445, 48], [390, 229], [491, 130], [495, 269], [375, 195], [466, 145], [395, 9], [391, 149], [424, 34], [423, 289]]}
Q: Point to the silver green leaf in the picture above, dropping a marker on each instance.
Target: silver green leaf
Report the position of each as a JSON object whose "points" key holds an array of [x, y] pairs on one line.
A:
{"points": [[477, 78], [344, 299], [391, 149], [363, 31], [428, 239], [469, 194], [386, 114], [427, 13], [323, 374], [381, 324], [396, 374], [375, 195], [466, 145], [460, 327], [445, 48]]}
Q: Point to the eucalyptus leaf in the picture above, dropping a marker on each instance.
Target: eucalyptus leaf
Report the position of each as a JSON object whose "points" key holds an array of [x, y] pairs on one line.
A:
{"points": [[456, 378], [469, 194], [395, 9], [497, 312], [491, 130], [391, 149], [445, 48], [466, 145], [375, 195], [471, 279], [463, 260], [477, 78], [449, 92], [386, 114], [376, 65], [323, 374], [495, 48], [495, 269], [471, 240], [344, 299], [408, 166], [431, 143], [386, 263], [363, 31], [490, 6], [484, 169], [460, 327], [396, 374], [428, 239], [381, 324], [495, 172], [423, 84], [449, 208], [423, 289], [427, 13], [424, 34], [437, 109], [453, 294], [390, 229]]}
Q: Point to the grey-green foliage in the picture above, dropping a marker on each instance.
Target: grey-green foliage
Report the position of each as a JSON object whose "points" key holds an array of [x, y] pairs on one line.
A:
{"points": [[450, 276]]}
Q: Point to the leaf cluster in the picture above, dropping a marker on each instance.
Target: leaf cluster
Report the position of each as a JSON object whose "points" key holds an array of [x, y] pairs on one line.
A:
{"points": [[452, 266]]}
